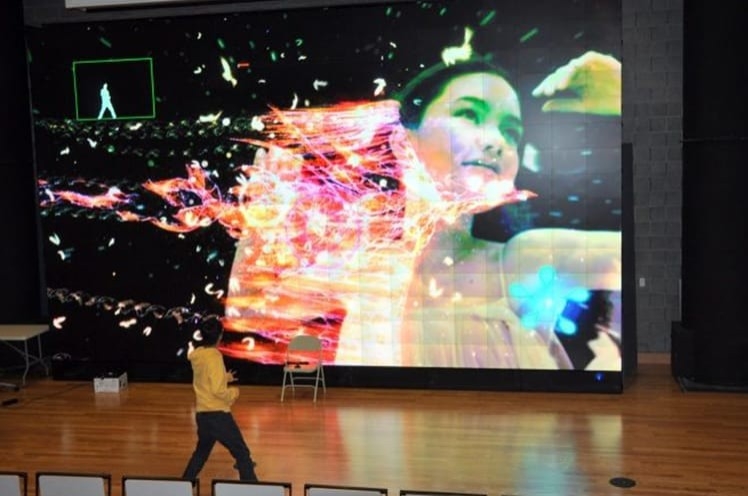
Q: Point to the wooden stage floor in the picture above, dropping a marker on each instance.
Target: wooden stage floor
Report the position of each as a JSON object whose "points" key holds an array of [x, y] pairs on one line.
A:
{"points": [[499, 443]]}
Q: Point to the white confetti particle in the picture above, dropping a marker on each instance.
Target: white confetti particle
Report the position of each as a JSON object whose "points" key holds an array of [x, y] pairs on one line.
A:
{"points": [[256, 124], [227, 75], [249, 342], [210, 118], [381, 84]]}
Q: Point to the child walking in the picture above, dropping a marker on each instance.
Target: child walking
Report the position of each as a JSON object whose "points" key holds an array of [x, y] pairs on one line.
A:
{"points": [[213, 406]]}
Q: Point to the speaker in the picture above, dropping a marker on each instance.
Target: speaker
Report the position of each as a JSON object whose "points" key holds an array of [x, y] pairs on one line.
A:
{"points": [[682, 351]]}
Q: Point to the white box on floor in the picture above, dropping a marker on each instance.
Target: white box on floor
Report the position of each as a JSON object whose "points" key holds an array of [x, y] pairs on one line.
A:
{"points": [[110, 383]]}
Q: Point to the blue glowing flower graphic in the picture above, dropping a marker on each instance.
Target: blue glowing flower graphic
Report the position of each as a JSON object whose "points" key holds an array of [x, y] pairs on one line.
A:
{"points": [[542, 302]]}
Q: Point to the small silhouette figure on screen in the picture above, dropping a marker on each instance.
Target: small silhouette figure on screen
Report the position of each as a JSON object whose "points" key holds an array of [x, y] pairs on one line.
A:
{"points": [[106, 102]]}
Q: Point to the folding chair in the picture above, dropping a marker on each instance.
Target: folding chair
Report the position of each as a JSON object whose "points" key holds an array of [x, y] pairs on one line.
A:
{"points": [[67, 483], [222, 487], [303, 363], [13, 483], [408, 492], [133, 485], [326, 490]]}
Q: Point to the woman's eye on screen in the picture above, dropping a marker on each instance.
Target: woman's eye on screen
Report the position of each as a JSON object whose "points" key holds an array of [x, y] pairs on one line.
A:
{"points": [[513, 135], [468, 114]]}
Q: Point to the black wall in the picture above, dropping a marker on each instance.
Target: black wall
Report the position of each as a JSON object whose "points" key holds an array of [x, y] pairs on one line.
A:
{"points": [[715, 200], [20, 271]]}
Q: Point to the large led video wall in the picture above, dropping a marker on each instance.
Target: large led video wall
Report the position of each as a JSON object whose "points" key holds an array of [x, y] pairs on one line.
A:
{"points": [[423, 185]]}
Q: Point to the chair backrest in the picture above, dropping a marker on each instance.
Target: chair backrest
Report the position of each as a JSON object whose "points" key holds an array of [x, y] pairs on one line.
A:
{"points": [[327, 490], [13, 483], [157, 486], [305, 342], [245, 488], [408, 492], [71, 483]]}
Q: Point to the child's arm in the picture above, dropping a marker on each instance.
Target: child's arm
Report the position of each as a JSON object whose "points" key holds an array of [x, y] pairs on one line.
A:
{"points": [[219, 382], [231, 376]]}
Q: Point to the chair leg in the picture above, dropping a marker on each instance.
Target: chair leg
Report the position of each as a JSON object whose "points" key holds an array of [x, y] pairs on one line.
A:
{"points": [[316, 385], [283, 389]]}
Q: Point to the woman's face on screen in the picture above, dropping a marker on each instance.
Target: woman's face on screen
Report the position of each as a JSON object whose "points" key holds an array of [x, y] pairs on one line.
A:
{"points": [[470, 133]]}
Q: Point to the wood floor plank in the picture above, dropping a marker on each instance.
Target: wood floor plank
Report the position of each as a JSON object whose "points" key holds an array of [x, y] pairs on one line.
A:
{"points": [[500, 443]]}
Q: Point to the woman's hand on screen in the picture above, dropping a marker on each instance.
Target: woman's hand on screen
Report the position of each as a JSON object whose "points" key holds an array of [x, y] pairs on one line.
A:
{"points": [[588, 84]]}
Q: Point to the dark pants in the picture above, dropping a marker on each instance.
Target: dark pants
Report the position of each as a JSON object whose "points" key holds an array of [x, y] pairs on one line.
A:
{"points": [[220, 427]]}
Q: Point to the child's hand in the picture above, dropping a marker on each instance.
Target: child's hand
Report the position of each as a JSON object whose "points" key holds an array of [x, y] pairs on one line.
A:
{"points": [[231, 376]]}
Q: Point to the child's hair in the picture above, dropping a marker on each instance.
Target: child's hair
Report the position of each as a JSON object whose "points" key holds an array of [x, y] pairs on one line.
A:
{"points": [[211, 330]]}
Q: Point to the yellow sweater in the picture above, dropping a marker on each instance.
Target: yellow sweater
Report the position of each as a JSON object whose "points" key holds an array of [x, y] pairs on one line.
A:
{"points": [[210, 381]]}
